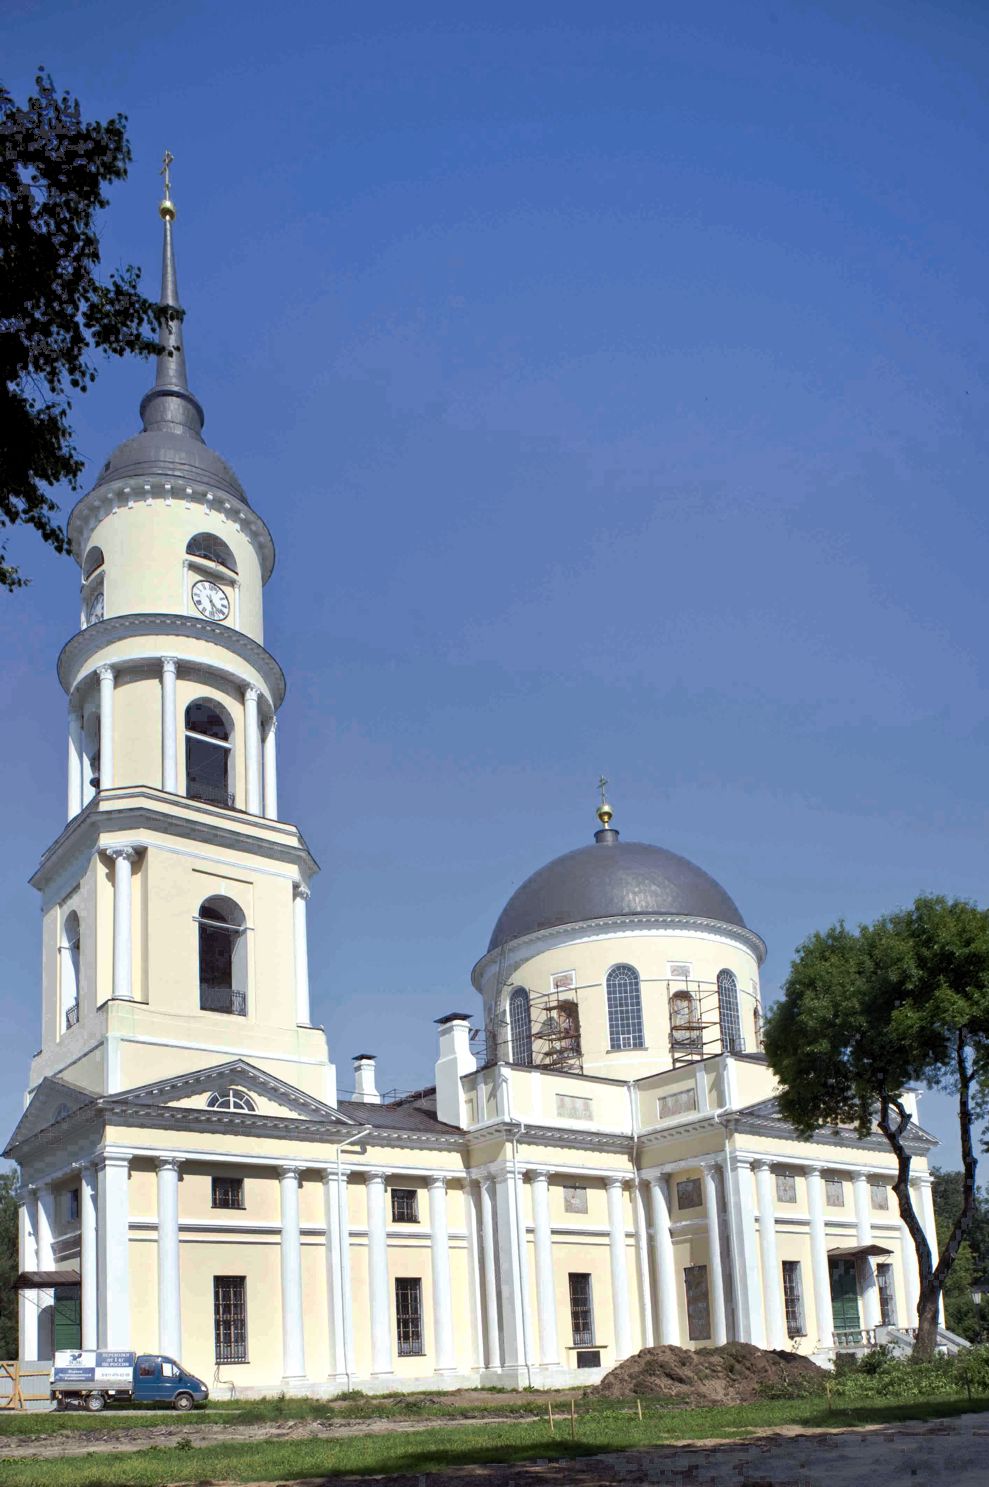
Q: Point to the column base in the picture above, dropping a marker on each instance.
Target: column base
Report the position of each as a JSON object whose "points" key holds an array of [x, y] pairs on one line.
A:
{"points": [[295, 1383], [447, 1368]]}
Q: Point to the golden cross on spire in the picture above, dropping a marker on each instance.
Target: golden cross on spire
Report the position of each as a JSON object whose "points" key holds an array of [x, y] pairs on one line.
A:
{"points": [[602, 786], [604, 812], [166, 161]]}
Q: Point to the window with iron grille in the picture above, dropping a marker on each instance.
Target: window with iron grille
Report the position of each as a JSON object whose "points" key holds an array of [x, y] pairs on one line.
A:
{"points": [[880, 1195], [793, 1299], [625, 1008], [404, 1206], [729, 1017], [786, 1187], [698, 1302], [834, 1192], [887, 1295], [408, 1316], [230, 1318], [228, 1192], [581, 1310]]}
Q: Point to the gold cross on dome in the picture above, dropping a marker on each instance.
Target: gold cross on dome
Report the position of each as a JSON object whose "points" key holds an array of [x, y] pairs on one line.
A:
{"points": [[602, 786], [166, 161]]}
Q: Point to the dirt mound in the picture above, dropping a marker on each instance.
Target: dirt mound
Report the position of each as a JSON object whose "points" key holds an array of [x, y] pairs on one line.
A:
{"points": [[733, 1374]]}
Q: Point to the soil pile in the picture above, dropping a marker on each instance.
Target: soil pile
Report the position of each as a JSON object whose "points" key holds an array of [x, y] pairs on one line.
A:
{"points": [[734, 1374]]}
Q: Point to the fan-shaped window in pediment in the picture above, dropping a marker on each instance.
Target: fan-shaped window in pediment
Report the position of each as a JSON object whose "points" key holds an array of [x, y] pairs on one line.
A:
{"points": [[231, 1099], [213, 549]]}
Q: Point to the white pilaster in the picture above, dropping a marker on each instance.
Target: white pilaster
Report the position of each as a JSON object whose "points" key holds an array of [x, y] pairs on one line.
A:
{"points": [[252, 751], [745, 1254], [301, 898], [492, 1350], [719, 1320], [113, 1243], [123, 858], [439, 1248], [772, 1281], [27, 1300], [105, 674], [642, 1259], [619, 1268], [820, 1268], [911, 1277], [871, 1313], [549, 1348], [271, 772], [669, 1321], [88, 1260], [507, 1221], [293, 1335], [75, 761], [169, 1285], [377, 1245], [169, 726]]}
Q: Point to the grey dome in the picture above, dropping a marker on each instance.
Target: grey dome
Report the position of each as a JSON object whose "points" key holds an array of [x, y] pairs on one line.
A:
{"points": [[607, 879], [168, 452]]}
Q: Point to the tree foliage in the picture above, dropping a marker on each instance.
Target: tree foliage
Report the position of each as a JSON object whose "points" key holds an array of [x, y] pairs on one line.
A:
{"points": [[54, 309], [8, 1264], [867, 1013], [970, 1319]]}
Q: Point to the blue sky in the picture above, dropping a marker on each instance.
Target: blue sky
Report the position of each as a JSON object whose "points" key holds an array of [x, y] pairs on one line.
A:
{"points": [[614, 384]]}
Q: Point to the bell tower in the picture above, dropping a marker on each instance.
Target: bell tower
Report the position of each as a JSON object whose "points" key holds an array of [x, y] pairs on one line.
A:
{"points": [[174, 901]]}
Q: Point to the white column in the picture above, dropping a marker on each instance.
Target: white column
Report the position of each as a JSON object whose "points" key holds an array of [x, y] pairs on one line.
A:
{"points": [[46, 1227], [293, 1336], [439, 1248], [471, 1200], [271, 772], [871, 1314], [334, 1275], [75, 760], [492, 1351], [669, 1321], [88, 1269], [719, 1320], [619, 1268], [28, 1300], [772, 1281], [123, 857], [377, 1260], [749, 1321], [508, 1245], [169, 726], [252, 751], [169, 1285], [549, 1348], [642, 1258], [105, 674], [819, 1260], [113, 1242], [301, 898], [925, 1211], [348, 1290]]}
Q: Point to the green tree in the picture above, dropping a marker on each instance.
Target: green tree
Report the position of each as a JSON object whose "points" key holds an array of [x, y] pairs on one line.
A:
{"points": [[970, 1319], [8, 1264], [54, 310], [865, 1014]]}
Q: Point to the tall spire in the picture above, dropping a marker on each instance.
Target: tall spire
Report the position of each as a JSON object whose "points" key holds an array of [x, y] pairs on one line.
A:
{"points": [[170, 405]]}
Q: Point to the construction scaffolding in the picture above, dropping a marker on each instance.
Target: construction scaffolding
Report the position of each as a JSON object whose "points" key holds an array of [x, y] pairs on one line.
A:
{"points": [[541, 1031]]}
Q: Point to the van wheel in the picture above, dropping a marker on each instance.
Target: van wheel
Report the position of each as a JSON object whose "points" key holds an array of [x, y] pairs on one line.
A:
{"points": [[95, 1401], [183, 1401]]}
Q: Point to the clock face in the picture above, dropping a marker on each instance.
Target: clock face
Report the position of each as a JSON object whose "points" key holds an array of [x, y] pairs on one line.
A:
{"points": [[210, 599], [95, 612]]}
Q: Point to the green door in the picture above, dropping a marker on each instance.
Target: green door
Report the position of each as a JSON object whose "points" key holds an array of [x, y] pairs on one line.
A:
{"points": [[68, 1317], [845, 1302]]}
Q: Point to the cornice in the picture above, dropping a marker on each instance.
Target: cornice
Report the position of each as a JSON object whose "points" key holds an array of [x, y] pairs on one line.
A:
{"points": [[88, 643], [917, 1143], [559, 1136]]}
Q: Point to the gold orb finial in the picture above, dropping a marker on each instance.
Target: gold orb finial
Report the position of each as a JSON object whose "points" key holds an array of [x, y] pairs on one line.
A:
{"points": [[166, 207], [604, 812]]}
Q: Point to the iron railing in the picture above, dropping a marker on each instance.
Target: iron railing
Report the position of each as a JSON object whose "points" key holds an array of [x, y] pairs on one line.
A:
{"points": [[209, 794], [72, 1015], [223, 999]]}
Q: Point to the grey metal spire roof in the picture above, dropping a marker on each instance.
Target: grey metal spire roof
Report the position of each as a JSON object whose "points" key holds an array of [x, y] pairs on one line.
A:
{"points": [[608, 879], [171, 442]]}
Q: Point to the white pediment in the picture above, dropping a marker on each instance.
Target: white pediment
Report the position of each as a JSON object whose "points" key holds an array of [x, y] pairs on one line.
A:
{"points": [[235, 1089]]}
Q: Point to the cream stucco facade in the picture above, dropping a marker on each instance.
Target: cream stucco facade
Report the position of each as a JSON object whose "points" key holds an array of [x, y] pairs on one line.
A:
{"points": [[599, 1168]]}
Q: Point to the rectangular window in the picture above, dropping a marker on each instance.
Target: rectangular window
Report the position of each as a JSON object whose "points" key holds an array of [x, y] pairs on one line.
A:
{"points": [[228, 1192], [793, 1299], [689, 1193], [408, 1316], [677, 1102], [581, 1310], [786, 1187], [72, 1206], [574, 1200], [880, 1195], [698, 1303], [230, 1318], [887, 1295], [834, 1192], [404, 1206], [574, 1107]]}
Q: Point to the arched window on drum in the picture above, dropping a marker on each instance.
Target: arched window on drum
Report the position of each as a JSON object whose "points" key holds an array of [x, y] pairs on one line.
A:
{"points": [[208, 754], [520, 1026], [729, 1018], [624, 1008]]}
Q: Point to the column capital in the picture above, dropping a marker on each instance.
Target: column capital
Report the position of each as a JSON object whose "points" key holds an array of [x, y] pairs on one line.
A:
{"points": [[168, 1164], [116, 1159], [710, 1164], [289, 1169], [762, 1164], [615, 1180], [300, 890], [251, 693], [437, 1181], [538, 1174], [105, 673], [372, 1178], [129, 854], [170, 664], [862, 1177], [922, 1179], [273, 724], [813, 1171]]}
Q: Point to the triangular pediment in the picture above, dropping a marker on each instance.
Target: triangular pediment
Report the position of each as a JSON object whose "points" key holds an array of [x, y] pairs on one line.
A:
{"points": [[270, 1096], [766, 1113], [54, 1101]]}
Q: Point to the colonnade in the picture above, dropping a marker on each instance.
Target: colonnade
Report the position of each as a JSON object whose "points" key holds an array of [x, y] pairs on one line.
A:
{"points": [[260, 755]]}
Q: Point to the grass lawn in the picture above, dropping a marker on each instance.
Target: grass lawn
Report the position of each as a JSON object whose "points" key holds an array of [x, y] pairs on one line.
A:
{"points": [[432, 1450]]}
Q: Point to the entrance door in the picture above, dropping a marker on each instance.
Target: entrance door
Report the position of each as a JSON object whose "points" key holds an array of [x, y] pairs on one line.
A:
{"points": [[845, 1302], [67, 1318]]}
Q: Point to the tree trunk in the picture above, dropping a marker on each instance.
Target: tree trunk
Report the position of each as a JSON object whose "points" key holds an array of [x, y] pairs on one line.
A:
{"points": [[928, 1322]]}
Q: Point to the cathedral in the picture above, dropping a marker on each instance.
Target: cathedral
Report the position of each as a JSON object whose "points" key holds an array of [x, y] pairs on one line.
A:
{"points": [[600, 1165]]}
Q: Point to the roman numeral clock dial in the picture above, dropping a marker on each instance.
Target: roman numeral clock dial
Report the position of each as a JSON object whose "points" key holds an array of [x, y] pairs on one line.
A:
{"points": [[210, 599]]}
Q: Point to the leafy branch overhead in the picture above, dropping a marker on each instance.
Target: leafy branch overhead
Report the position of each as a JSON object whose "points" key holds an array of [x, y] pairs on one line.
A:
{"points": [[54, 309]]}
